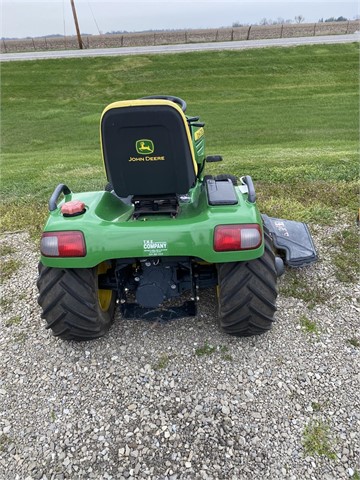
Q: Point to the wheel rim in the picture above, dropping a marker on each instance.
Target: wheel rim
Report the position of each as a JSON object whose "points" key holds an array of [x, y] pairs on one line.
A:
{"points": [[104, 296]]}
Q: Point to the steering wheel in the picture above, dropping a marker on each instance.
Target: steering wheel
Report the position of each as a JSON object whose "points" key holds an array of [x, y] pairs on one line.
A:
{"points": [[177, 100]]}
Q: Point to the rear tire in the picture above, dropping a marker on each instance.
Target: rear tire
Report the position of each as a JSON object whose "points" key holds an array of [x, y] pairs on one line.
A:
{"points": [[247, 294], [73, 306]]}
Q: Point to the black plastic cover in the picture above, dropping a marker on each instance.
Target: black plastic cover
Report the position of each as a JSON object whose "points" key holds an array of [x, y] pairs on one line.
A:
{"points": [[221, 192], [294, 239]]}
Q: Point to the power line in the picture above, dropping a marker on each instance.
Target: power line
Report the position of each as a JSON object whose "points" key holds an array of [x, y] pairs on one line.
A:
{"points": [[63, 10], [92, 13]]}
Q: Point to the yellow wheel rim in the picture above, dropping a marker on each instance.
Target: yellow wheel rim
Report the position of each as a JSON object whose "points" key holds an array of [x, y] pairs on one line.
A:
{"points": [[104, 296]]}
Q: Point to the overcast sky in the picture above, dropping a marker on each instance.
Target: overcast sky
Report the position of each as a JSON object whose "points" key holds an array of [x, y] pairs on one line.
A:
{"points": [[28, 18]]}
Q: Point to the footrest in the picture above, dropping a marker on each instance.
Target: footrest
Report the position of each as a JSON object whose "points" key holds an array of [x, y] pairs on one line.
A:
{"points": [[294, 239], [133, 310]]}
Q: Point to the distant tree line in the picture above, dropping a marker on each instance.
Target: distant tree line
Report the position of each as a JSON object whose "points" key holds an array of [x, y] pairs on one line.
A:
{"points": [[333, 19], [297, 19]]}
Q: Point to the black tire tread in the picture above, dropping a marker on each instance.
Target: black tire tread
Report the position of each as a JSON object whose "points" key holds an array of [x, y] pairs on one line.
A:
{"points": [[69, 301], [247, 294]]}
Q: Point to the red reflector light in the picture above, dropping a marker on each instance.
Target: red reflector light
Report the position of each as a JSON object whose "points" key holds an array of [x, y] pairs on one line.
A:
{"points": [[237, 237], [63, 244], [74, 207]]}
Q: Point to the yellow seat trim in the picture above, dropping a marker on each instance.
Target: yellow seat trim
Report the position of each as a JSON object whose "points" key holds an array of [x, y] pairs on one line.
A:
{"points": [[148, 102]]}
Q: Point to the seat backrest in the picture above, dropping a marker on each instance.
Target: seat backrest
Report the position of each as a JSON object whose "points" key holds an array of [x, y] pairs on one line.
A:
{"points": [[147, 148]]}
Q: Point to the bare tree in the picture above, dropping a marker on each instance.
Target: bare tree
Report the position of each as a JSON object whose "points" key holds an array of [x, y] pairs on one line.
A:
{"points": [[299, 18]]}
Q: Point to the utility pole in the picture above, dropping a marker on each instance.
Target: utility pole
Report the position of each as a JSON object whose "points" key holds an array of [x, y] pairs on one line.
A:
{"points": [[76, 25]]}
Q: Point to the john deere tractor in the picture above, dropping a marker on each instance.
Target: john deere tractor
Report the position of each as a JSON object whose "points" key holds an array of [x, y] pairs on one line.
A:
{"points": [[161, 229]]}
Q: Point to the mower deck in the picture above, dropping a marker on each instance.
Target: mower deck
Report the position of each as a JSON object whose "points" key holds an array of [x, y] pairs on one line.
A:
{"points": [[293, 239]]}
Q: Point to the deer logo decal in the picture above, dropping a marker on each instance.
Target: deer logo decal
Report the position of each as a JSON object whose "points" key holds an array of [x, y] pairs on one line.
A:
{"points": [[144, 146]]}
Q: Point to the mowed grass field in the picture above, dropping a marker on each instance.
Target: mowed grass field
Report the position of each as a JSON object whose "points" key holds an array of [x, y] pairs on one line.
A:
{"points": [[287, 116]]}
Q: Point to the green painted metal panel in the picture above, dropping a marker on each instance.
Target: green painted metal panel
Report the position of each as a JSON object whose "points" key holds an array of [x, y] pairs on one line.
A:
{"points": [[111, 232]]}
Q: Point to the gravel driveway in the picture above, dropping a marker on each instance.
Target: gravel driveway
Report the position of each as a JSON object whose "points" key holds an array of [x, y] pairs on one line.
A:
{"points": [[181, 400]]}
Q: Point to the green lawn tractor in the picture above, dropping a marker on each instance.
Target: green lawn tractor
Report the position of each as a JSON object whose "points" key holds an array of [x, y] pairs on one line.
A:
{"points": [[161, 229]]}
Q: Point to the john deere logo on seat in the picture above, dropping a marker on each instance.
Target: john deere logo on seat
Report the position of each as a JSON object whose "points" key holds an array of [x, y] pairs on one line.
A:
{"points": [[144, 146]]}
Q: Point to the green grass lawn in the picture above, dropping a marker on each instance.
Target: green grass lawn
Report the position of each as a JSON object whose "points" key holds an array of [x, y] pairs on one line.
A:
{"points": [[287, 116]]}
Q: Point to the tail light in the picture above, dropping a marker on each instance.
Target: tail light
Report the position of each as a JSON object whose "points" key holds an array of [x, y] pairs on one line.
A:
{"points": [[237, 237], [63, 244]]}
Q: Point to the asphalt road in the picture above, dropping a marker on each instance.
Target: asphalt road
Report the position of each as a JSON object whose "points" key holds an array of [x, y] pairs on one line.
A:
{"points": [[192, 47]]}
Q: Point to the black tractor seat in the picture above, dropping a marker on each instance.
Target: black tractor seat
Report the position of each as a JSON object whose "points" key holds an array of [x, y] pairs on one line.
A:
{"points": [[148, 151]]}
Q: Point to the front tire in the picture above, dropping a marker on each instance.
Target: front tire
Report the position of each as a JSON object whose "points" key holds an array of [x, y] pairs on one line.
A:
{"points": [[247, 294], [72, 304]]}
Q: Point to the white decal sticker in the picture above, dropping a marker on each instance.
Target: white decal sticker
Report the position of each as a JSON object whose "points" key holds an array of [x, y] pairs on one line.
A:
{"points": [[282, 229], [154, 248]]}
